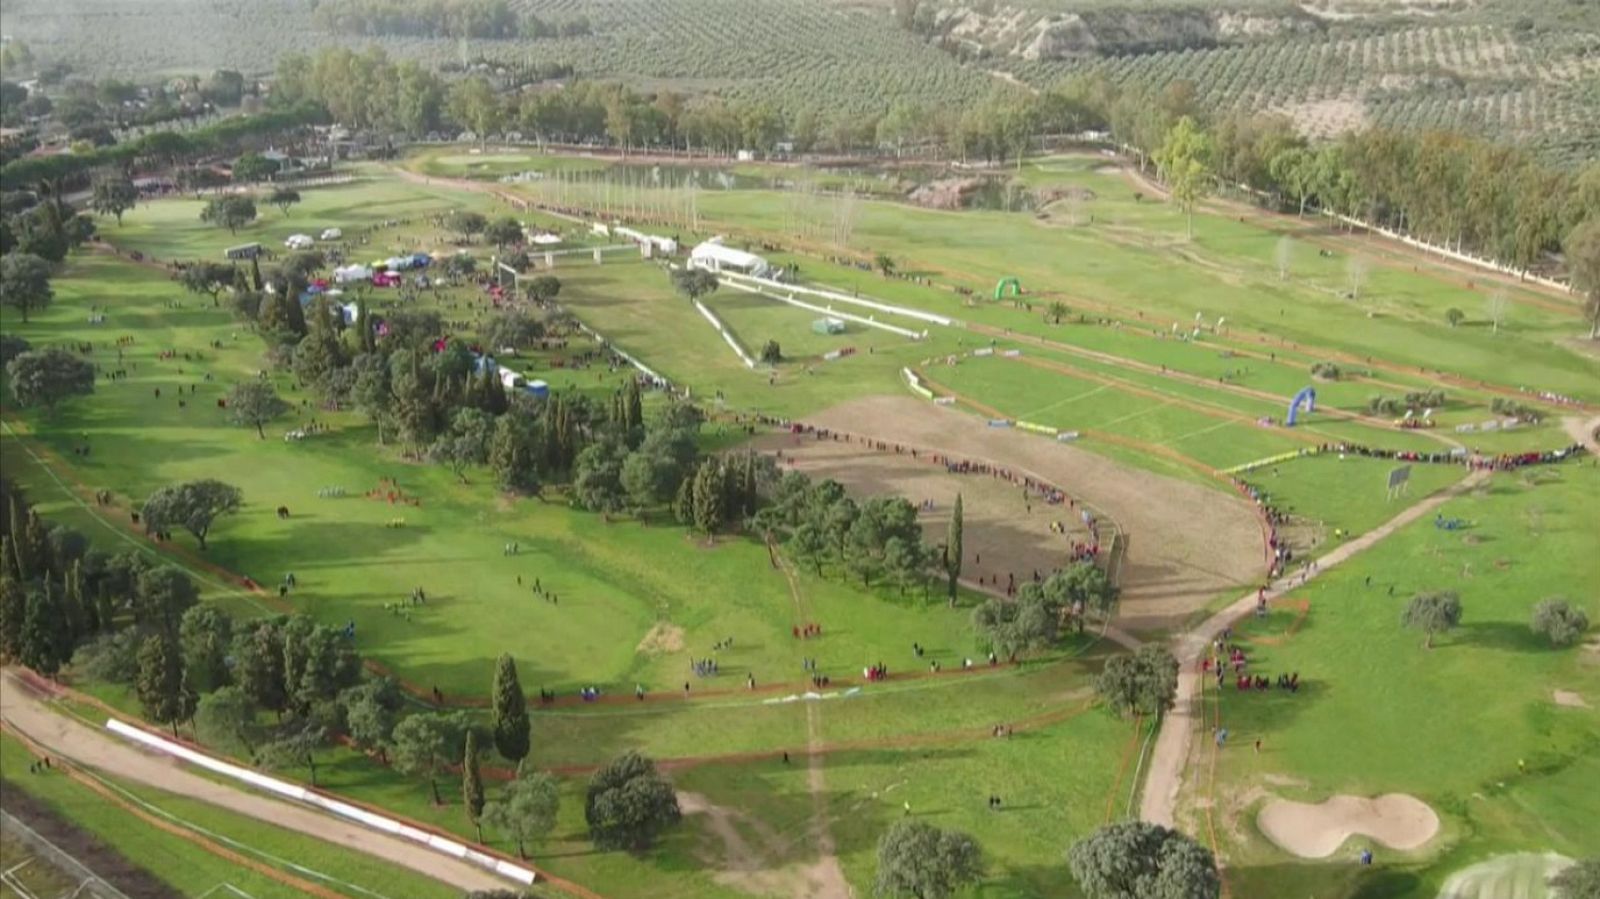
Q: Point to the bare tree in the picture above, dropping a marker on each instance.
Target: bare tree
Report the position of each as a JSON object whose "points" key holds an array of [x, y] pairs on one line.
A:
{"points": [[1356, 270]]}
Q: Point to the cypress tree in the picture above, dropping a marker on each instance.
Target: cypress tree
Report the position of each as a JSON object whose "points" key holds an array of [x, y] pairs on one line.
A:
{"points": [[495, 400], [36, 541], [78, 616], [634, 415], [17, 516], [953, 550], [13, 610], [509, 707], [472, 784], [9, 568], [105, 607], [294, 313], [752, 490], [708, 507], [683, 503], [161, 685], [46, 643], [369, 341]]}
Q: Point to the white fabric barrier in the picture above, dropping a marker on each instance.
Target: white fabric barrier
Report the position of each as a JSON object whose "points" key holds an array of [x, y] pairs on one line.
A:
{"points": [[629, 358], [326, 803], [917, 314], [717, 323], [915, 383], [833, 313]]}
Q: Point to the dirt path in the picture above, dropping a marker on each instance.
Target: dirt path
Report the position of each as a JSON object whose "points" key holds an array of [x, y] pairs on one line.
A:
{"points": [[26, 711], [824, 878], [1168, 761], [1584, 432]]}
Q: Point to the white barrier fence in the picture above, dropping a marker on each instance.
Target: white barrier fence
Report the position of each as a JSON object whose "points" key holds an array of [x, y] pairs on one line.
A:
{"points": [[1448, 253], [717, 323], [828, 311], [433, 841], [611, 347], [915, 383], [837, 297]]}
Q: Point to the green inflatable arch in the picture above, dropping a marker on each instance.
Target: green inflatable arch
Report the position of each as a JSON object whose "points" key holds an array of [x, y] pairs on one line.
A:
{"points": [[1004, 283]]}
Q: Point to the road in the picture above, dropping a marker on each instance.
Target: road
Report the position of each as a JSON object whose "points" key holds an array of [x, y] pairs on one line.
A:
{"points": [[1170, 758], [27, 712]]}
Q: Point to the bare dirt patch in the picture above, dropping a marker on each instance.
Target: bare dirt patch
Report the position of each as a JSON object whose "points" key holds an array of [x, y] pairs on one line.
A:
{"points": [[946, 193], [748, 856], [662, 639], [1187, 542], [1570, 699], [1395, 820]]}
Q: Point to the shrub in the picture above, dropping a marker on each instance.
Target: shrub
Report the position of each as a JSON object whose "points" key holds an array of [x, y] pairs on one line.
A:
{"points": [[1557, 621]]}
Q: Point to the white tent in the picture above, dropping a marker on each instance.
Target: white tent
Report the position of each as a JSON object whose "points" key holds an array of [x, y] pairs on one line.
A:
{"points": [[349, 273], [714, 256], [299, 242]]}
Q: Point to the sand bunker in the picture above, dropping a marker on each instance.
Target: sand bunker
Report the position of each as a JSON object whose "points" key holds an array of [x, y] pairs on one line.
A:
{"points": [[1570, 699], [1395, 820]]}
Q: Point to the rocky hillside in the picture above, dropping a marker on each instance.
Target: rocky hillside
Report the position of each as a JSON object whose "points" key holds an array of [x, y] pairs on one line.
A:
{"points": [[1037, 35]]}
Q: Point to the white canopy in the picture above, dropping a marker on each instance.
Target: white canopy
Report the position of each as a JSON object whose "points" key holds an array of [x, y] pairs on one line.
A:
{"points": [[349, 273], [716, 257]]}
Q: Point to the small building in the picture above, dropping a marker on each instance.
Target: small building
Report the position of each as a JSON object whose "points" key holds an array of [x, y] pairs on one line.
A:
{"points": [[828, 325]]}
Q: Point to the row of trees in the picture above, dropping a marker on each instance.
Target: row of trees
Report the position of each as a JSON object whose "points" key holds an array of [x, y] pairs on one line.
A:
{"points": [[442, 18], [1492, 199], [1118, 861], [161, 149], [419, 18]]}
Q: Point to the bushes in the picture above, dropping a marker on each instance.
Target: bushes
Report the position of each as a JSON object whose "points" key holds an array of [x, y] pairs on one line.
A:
{"points": [[1415, 401], [1558, 622], [1326, 371], [1513, 409]]}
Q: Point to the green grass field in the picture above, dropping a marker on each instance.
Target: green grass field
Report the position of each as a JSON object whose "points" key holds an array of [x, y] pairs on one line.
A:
{"points": [[1449, 725], [637, 600]]}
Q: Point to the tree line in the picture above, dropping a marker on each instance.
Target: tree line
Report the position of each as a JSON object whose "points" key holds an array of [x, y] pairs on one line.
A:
{"points": [[489, 19]]}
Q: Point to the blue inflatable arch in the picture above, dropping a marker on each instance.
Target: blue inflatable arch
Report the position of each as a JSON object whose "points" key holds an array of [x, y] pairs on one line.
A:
{"points": [[1306, 398]]}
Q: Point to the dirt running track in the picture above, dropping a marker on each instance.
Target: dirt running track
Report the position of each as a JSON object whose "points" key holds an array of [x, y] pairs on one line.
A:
{"points": [[1187, 542], [24, 710]]}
